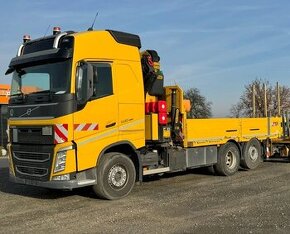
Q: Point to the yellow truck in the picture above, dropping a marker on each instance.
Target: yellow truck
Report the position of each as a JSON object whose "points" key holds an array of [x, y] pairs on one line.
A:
{"points": [[99, 115]]}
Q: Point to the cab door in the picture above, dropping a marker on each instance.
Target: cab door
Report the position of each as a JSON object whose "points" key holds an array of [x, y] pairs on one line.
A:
{"points": [[96, 123]]}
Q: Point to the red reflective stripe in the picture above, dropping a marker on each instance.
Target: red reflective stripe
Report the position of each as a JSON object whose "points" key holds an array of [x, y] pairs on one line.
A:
{"points": [[65, 126], [97, 127], [85, 128], [60, 133]]}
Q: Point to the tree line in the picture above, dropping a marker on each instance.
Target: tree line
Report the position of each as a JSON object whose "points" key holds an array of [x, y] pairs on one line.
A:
{"points": [[258, 99]]}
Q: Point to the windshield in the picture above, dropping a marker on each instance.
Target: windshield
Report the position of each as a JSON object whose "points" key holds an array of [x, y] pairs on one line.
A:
{"points": [[53, 78]]}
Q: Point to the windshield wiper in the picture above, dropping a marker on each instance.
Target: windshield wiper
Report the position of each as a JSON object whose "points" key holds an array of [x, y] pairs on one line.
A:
{"points": [[17, 94], [18, 97], [44, 92], [42, 95]]}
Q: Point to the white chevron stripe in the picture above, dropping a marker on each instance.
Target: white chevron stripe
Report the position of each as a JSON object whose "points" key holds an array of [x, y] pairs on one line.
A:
{"points": [[92, 126], [58, 139], [80, 127], [62, 129]]}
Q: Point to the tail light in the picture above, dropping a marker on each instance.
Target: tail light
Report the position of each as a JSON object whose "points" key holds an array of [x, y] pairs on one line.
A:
{"points": [[162, 113], [147, 108], [157, 107], [161, 106], [153, 107], [162, 118]]}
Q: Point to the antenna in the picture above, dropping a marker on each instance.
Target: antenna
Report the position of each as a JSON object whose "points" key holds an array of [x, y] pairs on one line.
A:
{"points": [[46, 30], [92, 27]]}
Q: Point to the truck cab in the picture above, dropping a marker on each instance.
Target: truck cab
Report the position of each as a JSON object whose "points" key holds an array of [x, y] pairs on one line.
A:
{"points": [[74, 98]]}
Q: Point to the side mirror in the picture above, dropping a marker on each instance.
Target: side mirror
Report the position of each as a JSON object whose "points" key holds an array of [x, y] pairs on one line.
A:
{"points": [[84, 82]]}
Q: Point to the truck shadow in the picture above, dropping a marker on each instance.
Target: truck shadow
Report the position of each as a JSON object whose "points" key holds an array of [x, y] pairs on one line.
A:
{"points": [[36, 192], [198, 171], [206, 171], [42, 193]]}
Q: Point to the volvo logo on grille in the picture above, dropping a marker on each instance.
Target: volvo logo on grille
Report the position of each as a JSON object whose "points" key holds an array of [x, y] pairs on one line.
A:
{"points": [[28, 112]]}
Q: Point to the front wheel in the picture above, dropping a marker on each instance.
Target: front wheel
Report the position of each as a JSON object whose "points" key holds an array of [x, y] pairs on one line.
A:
{"points": [[115, 176], [228, 160]]}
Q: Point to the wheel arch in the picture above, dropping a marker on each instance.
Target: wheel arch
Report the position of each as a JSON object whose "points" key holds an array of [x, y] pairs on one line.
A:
{"points": [[128, 149]]}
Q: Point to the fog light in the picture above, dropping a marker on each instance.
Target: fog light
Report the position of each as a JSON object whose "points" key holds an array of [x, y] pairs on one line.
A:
{"points": [[61, 177], [60, 161]]}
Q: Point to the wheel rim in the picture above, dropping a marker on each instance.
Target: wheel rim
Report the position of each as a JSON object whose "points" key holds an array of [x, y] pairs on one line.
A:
{"points": [[231, 159], [253, 153], [117, 177]]}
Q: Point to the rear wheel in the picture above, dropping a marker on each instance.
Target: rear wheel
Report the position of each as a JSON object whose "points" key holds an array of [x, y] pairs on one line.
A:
{"points": [[252, 154], [228, 160], [115, 176]]}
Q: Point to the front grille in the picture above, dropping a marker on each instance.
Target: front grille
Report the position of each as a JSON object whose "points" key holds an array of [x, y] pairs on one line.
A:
{"points": [[30, 135], [32, 171], [32, 162], [31, 156]]}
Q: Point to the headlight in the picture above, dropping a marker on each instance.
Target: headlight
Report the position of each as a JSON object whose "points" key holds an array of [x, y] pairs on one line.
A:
{"points": [[60, 161]]}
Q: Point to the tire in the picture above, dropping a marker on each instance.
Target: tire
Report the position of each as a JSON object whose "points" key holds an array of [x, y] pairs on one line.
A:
{"points": [[116, 176], [228, 160], [251, 154]]}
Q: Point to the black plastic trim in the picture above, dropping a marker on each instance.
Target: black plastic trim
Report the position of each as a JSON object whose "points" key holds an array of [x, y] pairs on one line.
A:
{"points": [[59, 105], [27, 163], [126, 38], [76, 182], [41, 57]]}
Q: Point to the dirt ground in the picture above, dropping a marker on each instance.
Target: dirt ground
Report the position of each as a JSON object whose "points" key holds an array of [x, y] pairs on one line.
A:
{"points": [[255, 201]]}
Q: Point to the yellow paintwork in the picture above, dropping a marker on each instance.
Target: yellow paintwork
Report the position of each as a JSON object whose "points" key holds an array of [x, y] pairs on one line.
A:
{"points": [[166, 133], [116, 109], [202, 132], [179, 98], [151, 124], [217, 131]]}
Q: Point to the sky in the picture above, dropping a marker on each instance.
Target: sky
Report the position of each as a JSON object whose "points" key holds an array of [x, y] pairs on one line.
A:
{"points": [[217, 46]]}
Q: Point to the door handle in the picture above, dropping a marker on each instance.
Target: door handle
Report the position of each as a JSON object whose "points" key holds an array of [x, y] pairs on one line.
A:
{"points": [[110, 125]]}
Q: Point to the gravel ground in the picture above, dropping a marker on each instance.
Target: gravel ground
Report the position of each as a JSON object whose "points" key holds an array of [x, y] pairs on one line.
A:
{"points": [[255, 201]]}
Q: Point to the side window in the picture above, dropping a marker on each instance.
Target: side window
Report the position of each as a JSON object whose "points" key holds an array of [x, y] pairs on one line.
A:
{"points": [[103, 85]]}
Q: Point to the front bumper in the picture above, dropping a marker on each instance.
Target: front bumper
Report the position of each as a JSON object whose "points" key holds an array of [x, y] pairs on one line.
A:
{"points": [[82, 179]]}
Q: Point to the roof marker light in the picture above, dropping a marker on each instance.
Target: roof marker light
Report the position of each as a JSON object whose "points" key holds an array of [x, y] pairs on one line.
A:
{"points": [[56, 30], [26, 38]]}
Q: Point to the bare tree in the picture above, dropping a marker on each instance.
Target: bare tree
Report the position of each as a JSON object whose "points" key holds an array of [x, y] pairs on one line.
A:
{"points": [[200, 107], [237, 110], [258, 90], [284, 100]]}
